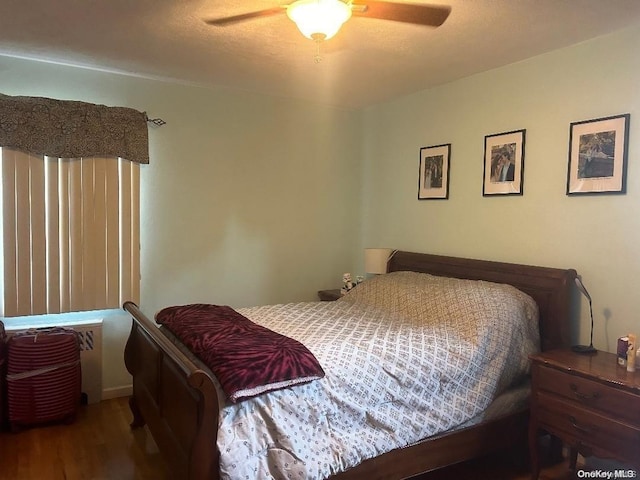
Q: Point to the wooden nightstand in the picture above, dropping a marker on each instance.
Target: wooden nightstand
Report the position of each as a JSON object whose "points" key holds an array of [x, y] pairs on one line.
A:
{"points": [[329, 295], [589, 402]]}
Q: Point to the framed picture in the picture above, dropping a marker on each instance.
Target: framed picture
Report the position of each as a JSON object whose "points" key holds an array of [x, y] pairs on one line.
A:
{"points": [[504, 163], [598, 155], [433, 180]]}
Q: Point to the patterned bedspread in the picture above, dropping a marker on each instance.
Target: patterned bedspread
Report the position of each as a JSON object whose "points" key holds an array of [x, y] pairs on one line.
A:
{"points": [[406, 356]]}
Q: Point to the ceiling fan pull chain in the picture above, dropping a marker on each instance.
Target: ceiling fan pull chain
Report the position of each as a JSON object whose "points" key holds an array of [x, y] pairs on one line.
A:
{"points": [[318, 57], [318, 38]]}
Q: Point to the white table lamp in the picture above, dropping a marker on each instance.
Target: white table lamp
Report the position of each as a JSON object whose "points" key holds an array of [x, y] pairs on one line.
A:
{"points": [[376, 259]]}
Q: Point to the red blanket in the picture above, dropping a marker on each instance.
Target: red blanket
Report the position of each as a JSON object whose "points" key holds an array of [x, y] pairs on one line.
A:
{"points": [[246, 358]]}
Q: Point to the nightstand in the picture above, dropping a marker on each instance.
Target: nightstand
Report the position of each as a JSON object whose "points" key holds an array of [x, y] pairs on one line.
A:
{"points": [[329, 295], [589, 402]]}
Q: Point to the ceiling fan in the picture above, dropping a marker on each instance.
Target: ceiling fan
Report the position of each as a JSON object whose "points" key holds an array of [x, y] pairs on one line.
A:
{"points": [[321, 19]]}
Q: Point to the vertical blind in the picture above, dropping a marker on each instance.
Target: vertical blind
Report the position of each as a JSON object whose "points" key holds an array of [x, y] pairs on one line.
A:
{"points": [[70, 233]]}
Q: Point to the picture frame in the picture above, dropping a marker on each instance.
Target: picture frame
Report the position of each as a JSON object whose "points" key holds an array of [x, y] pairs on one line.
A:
{"points": [[433, 174], [598, 156], [504, 163]]}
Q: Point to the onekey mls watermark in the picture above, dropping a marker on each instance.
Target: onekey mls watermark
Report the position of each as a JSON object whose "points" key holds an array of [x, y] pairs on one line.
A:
{"points": [[608, 474]]}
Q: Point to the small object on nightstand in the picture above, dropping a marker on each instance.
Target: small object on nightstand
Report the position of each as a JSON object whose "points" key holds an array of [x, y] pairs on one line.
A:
{"points": [[623, 347], [631, 359], [329, 295], [347, 283]]}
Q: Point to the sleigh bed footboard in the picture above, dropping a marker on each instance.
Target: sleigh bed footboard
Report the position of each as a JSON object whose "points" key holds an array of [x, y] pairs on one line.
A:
{"points": [[174, 398]]}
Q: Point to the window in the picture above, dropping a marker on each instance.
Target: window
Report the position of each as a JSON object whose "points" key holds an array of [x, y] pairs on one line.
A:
{"points": [[70, 233]]}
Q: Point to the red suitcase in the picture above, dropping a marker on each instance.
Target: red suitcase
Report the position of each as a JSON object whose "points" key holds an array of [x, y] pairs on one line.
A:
{"points": [[3, 374], [43, 377]]}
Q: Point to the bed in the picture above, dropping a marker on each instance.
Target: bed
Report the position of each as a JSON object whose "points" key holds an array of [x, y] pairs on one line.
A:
{"points": [[180, 403]]}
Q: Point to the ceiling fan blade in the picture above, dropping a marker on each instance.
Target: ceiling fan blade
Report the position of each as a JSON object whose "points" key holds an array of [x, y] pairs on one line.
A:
{"points": [[221, 22], [429, 15]]}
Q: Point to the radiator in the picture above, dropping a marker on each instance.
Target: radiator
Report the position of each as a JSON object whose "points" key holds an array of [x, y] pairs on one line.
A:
{"points": [[90, 333]]}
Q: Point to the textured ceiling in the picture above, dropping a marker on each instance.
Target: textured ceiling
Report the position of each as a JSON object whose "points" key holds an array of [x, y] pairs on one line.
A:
{"points": [[368, 62]]}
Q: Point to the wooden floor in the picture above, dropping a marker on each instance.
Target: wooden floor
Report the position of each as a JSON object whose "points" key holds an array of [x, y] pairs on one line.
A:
{"points": [[99, 445]]}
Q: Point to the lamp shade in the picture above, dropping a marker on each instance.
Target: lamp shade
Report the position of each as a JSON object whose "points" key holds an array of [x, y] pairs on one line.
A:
{"points": [[319, 18], [375, 259]]}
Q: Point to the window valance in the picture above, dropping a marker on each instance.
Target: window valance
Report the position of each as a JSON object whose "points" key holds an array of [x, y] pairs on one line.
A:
{"points": [[71, 129]]}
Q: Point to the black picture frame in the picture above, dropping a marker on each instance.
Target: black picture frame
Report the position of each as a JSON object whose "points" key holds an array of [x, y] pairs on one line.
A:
{"points": [[598, 152], [504, 163], [433, 173]]}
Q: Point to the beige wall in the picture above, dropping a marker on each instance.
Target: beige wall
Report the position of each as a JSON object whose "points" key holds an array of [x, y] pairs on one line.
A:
{"points": [[248, 199], [597, 235]]}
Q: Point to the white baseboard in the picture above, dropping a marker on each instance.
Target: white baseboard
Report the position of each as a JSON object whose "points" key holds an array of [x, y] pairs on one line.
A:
{"points": [[115, 392]]}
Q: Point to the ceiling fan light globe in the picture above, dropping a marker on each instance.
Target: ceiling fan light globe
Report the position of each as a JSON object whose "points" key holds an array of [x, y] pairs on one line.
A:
{"points": [[324, 17]]}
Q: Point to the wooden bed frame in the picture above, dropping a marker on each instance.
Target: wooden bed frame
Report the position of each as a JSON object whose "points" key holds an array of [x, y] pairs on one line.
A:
{"points": [[179, 404]]}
